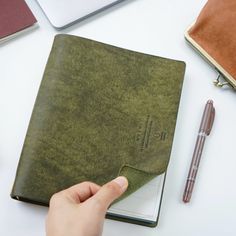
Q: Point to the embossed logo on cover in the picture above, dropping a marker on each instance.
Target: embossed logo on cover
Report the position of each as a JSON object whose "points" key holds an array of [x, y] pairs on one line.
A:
{"points": [[146, 132]]}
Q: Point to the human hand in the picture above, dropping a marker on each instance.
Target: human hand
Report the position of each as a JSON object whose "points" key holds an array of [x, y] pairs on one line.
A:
{"points": [[80, 210]]}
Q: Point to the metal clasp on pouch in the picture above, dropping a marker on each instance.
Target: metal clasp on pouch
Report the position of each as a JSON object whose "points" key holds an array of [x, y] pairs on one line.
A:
{"points": [[220, 81]]}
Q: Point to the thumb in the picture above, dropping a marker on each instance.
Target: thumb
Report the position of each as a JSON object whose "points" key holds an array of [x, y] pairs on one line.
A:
{"points": [[111, 191]]}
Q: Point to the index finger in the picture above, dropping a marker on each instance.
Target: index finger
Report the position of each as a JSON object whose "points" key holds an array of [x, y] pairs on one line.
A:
{"points": [[81, 192]]}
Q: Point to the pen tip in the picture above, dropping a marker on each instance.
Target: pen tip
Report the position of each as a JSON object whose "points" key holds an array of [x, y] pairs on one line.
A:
{"points": [[185, 200], [186, 197]]}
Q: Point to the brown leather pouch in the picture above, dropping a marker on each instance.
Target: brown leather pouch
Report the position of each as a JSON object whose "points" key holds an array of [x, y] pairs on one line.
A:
{"points": [[214, 36]]}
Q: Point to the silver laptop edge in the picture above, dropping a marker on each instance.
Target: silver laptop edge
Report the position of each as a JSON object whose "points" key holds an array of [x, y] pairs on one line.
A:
{"points": [[61, 21]]}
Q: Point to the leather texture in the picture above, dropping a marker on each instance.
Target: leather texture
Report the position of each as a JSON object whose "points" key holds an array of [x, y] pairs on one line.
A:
{"points": [[215, 32], [101, 111]]}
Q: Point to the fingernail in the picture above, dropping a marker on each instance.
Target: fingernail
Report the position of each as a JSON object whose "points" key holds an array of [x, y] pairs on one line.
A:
{"points": [[122, 182]]}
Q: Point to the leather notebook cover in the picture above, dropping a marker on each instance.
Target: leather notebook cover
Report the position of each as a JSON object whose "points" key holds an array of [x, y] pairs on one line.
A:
{"points": [[15, 16], [214, 36], [101, 111]]}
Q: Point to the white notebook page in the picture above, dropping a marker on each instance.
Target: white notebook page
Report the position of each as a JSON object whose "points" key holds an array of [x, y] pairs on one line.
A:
{"points": [[144, 203]]}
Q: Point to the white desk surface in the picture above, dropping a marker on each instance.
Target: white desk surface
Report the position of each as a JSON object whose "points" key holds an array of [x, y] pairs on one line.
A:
{"points": [[150, 26]]}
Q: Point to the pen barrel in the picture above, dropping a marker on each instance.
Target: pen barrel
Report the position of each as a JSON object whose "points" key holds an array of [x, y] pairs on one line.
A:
{"points": [[194, 166], [197, 155]]}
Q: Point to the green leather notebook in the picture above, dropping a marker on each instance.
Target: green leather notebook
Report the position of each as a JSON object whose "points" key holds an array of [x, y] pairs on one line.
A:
{"points": [[101, 111]]}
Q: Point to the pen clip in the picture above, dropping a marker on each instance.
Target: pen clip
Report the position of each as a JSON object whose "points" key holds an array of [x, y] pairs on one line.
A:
{"points": [[211, 120]]}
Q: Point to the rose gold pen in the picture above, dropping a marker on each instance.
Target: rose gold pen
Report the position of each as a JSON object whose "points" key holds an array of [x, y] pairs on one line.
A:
{"points": [[204, 130]]}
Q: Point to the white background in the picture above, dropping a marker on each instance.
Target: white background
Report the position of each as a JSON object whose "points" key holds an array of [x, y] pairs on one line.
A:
{"points": [[150, 26]]}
